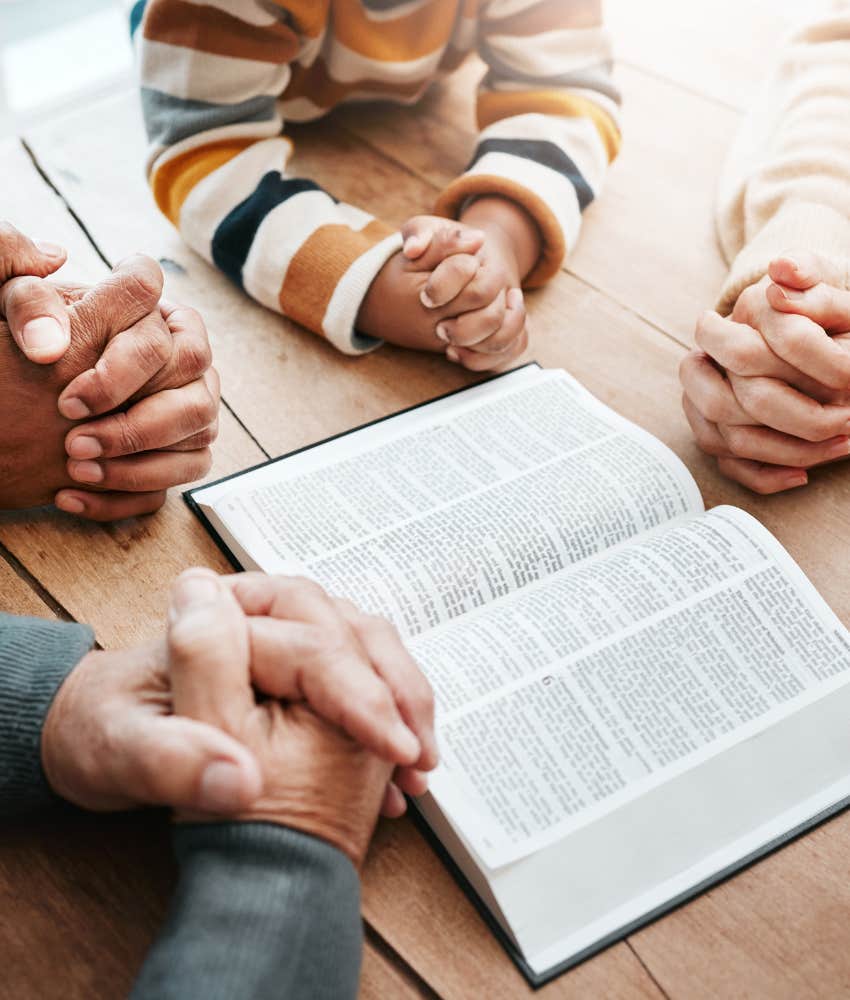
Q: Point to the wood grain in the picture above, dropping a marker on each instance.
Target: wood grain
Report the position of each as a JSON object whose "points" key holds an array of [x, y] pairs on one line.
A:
{"points": [[618, 319]]}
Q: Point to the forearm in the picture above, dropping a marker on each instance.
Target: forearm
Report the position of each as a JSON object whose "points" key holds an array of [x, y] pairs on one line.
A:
{"points": [[217, 169], [786, 182], [35, 658], [548, 113], [260, 911]]}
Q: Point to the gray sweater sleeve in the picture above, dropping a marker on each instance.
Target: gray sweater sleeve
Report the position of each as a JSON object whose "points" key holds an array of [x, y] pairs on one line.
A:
{"points": [[35, 657], [260, 912]]}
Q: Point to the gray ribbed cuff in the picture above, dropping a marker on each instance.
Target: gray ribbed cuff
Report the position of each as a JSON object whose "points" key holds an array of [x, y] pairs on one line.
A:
{"points": [[261, 911], [35, 657]]}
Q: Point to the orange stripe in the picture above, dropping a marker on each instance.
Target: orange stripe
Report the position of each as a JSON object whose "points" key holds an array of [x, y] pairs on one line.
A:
{"points": [[494, 106], [316, 269], [419, 34], [208, 29], [451, 201], [173, 181]]}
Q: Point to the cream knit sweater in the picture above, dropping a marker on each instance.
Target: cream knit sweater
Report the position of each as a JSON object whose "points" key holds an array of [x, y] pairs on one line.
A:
{"points": [[786, 184]]}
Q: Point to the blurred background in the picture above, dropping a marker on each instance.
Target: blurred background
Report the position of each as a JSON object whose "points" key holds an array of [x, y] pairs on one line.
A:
{"points": [[56, 53]]}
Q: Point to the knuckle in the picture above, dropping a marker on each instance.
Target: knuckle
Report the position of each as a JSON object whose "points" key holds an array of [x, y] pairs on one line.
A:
{"points": [[310, 589], [198, 412], [152, 347], [754, 394], [193, 359], [742, 357], [128, 436], [142, 279], [377, 700], [712, 408], [736, 438], [201, 464]]}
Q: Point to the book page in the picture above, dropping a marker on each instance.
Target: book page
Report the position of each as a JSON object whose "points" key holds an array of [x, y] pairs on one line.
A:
{"points": [[477, 499], [558, 704]]}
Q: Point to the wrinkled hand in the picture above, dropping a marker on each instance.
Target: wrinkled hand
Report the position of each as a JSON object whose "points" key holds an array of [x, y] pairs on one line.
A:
{"points": [[314, 777], [768, 393], [115, 737], [141, 367]]}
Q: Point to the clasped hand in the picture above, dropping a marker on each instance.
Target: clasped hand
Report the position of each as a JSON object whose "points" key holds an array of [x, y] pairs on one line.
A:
{"points": [[267, 700], [768, 391], [108, 396]]}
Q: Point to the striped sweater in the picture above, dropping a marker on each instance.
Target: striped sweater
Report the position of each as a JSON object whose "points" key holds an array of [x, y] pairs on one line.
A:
{"points": [[220, 79]]}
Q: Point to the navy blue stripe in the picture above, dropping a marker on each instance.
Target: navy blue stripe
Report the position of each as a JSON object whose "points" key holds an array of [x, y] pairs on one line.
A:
{"points": [[236, 231], [541, 151], [384, 5], [136, 15]]}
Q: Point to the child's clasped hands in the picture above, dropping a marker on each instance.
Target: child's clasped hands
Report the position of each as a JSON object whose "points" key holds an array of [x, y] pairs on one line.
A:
{"points": [[455, 288]]}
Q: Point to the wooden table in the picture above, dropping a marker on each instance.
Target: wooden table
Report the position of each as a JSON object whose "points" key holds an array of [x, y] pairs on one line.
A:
{"points": [[81, 897]]}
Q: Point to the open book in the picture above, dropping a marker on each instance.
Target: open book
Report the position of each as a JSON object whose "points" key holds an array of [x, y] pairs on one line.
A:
{"points": [[634, 697]]}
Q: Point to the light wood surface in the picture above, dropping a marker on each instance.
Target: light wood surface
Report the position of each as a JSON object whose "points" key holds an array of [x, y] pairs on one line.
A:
{"points": [[86, 894]]}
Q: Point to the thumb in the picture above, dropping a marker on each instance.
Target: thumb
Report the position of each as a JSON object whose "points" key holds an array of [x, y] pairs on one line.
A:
{"points": [[37, 317], [118, 302], [209, 652], [189, 765]]}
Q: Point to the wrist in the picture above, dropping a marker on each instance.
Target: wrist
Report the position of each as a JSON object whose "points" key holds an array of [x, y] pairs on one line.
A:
{"points": [[510, 226]]}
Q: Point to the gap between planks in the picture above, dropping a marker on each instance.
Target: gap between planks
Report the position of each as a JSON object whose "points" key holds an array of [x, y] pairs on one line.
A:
{"points": [[26, 577], [373, 938]]}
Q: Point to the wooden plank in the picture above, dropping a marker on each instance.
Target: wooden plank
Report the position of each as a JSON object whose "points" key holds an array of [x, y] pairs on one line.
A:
{"points": [[621, 359], [381, 979], [83, 894], [776, 932], [382, 389], [17, 595], [114, 577], [90, 893]]}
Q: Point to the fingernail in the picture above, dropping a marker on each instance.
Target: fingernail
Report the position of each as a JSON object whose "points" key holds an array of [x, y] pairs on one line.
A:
{"points": [[74, 409], [86, 472], [221, 788], [798, 479], [442, 333], [514, 299], [452, 355], [426, 300], [410, 244], [193, 590], [85, 447], [50, 249], [405, 744], [44, 335], [70, 503]]}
